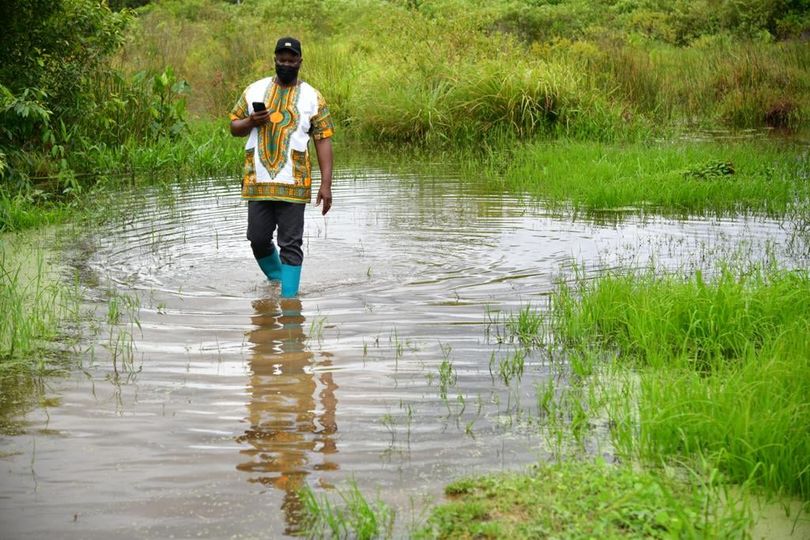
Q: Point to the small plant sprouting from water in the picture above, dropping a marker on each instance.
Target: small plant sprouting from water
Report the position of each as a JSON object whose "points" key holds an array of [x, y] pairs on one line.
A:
{"points": [[409, 416], [545, 398], [316, 327], [526, 327], [121, 339], [399, 346], [511, 367], [123, 304], [388, 422], [356, 517], [447, 374]]}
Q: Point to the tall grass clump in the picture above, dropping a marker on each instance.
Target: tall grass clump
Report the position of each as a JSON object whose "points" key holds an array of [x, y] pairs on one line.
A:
{"points": [[723, 366], [715, 82], [684, 177], [356, 517], [34, 303]]}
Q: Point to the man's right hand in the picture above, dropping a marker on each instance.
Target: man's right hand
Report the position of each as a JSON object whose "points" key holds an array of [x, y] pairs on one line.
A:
{"points": [[242, 127], [259, 118]]}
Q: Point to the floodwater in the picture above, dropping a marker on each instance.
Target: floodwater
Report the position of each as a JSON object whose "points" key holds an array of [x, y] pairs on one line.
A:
{"points": [[202, 402]]}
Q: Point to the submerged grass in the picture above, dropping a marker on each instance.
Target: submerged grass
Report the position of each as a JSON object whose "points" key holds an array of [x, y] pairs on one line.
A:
{"points": [[36, 305], [585, 500], [675, 177], [721, 367], [356, 517], [33, 301]]}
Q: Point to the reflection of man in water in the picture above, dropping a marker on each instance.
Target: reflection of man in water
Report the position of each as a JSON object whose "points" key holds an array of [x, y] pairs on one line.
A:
{"points": [[279, 115], [292, 409]]}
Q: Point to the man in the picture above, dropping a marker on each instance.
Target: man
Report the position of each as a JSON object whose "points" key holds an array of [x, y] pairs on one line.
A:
{"points": [[279, 115]]}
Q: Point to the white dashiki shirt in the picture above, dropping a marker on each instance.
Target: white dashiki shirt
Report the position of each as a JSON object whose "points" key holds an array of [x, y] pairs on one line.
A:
{"points": [[277, 163]]}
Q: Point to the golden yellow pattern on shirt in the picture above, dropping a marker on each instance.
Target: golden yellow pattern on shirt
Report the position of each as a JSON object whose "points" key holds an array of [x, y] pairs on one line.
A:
{"points": [[274, 136], [273, 145]]}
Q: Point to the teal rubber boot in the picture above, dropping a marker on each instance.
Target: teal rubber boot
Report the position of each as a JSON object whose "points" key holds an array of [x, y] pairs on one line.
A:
{"points": [[290, 278], [271, 266]]}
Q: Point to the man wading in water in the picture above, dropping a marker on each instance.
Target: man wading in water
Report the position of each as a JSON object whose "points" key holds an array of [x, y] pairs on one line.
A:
{"points": [[280, 114]]}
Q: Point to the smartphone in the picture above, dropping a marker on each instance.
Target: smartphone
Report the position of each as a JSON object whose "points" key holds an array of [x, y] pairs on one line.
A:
{"points": [[258, 106]]}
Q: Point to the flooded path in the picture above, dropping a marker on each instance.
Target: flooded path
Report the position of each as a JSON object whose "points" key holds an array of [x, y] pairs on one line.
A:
{"points": [[203, 402]]}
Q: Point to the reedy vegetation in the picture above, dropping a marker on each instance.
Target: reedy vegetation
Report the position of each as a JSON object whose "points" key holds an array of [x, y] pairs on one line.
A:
{"points": [[721, 368], [459, 73], [33, 301]]}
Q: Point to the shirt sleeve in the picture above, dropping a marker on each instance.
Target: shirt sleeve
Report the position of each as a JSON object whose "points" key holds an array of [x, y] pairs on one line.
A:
{"points": [[240, 110], [321, 126]]}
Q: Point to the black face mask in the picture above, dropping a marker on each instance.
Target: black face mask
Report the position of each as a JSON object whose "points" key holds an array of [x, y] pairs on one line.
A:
{"points": [[286, 74]]}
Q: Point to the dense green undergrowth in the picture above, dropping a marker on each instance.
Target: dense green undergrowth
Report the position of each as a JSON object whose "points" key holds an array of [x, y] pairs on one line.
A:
{"points": [[458, 73], [471, 76], [720, 368]]}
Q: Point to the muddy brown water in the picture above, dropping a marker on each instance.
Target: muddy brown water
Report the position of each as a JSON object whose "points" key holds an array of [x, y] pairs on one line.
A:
{"points": [[202, 402]]}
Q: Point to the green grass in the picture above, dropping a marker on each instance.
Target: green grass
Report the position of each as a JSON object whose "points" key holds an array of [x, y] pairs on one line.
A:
{"points": [[585, 500], [33, 301], [674, 177], [721, 368], [608, 73], [354, 517], [674, 321]]}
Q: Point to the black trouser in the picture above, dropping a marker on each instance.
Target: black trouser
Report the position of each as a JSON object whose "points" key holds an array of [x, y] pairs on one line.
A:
{"points": [[264, 217]]}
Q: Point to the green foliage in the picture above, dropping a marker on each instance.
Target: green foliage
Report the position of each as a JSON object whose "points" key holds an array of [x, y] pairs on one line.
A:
{"points": [[52, 45], [585, 500], [660, 320], [667, 177], [33, 301], [61, 101], [722, 367], [355, 518], [459, 74]]}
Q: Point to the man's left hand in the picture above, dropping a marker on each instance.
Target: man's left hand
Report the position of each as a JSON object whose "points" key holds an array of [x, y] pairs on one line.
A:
{"points": [[325, 196]]}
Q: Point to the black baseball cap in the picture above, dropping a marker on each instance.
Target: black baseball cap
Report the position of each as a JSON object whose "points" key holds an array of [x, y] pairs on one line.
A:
{"points": [[289, 44]]}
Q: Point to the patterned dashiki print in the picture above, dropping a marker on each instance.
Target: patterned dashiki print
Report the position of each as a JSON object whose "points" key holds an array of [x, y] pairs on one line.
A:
{"points": [[277, 165]]}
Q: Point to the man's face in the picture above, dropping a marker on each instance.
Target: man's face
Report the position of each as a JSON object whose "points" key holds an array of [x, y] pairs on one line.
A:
{"points": [[288, 58]]}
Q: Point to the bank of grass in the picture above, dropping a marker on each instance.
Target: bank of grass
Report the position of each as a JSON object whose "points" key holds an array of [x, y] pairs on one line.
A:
{"points": [[720, 367], [576, 499], [667, 177]]}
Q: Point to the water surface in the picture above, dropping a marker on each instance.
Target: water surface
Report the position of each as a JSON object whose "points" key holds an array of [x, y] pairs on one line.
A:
{"points": [[203, 402]]}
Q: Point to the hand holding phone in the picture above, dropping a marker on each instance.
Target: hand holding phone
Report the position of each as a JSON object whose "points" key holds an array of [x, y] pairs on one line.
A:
{"points": [[260, 114]]}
